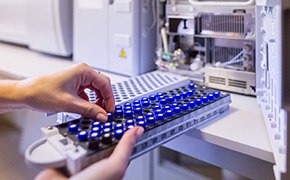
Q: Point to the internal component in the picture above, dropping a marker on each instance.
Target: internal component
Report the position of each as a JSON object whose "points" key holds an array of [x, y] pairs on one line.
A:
{"points": [[209, 43]]}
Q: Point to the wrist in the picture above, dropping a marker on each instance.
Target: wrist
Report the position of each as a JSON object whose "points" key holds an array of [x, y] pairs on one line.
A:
{"points": [[11, 96], [23, 93]]}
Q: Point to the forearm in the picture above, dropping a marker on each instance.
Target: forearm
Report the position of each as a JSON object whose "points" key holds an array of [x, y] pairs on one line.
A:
{"points": [[11, 96]]}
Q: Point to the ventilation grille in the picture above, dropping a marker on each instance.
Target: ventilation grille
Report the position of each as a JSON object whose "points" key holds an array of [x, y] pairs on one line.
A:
{"points": [[223, 23], [217, 80], [237, 83], [224, 54], [231, 82]]}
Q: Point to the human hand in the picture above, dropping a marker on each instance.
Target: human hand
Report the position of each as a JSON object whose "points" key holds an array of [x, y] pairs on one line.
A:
{"points": [[64, 92], [113, 167]]}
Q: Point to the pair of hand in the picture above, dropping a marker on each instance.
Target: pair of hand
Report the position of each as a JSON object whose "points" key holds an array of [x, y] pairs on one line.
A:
{"points": [[64, 92]]}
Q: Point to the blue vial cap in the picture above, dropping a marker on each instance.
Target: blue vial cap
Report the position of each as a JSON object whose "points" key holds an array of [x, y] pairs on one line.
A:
{"points": [[184, 95], [198, 101], [95, 135], [126, 108], [204, 99], [96, 129], [110, 116], [118, 133], [127, 104], [165, 108], [128, 114], [142, 124], [184, 107], [190, 92], [168, 113], [151, 120], [97, 124], [177, 97], [107, 130], [216, 94], [149, 114], [173, 105], [160, 97], [159, 94], [162, 101], [210, 96], [157, 106], [136, 102], [170, 99], [191, 85], [129, 127], [118, 107], [177, 110], [144, 99], [119, 113], [145, 103], [83, 136], [137, 110], [158, 111], [107, 125], [137, 105], [152, 98], [140, 118], [73, 128], [192, 104], [160, 117], [129, 122], [118, 126]]}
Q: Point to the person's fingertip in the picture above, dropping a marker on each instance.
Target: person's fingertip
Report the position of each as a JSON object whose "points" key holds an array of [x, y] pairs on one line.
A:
{"points": [[111, 109], [102, 117], [110, 106], [139, 131]]}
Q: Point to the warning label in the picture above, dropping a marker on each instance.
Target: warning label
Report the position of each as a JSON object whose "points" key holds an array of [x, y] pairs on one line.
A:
{"points": [[122, 53]]}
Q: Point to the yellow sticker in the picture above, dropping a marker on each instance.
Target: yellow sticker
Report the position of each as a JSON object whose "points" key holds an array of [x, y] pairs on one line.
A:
{"points": [[122, 54]]}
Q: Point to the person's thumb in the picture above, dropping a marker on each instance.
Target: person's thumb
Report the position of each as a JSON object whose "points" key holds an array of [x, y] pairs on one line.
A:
{"points": [[124, 148]]}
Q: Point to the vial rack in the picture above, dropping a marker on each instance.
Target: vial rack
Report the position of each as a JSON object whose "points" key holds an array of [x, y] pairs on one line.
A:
{"points": [[133, 88], [164, 115]]}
